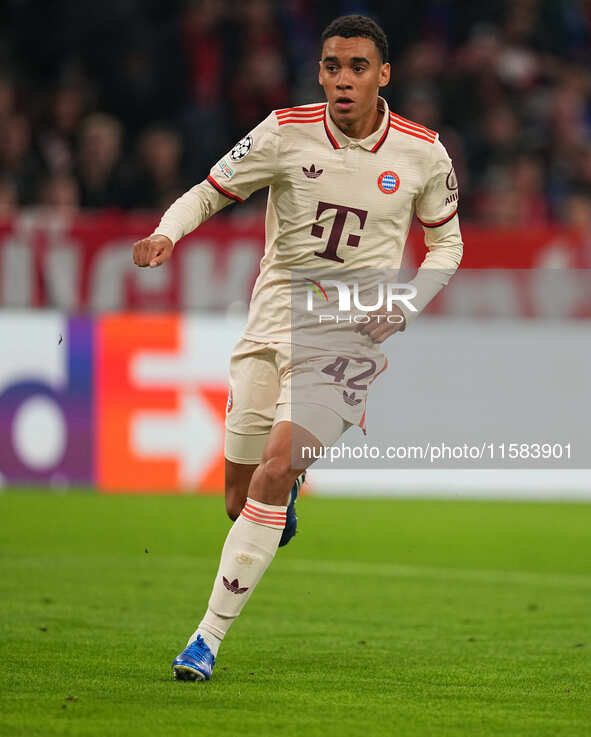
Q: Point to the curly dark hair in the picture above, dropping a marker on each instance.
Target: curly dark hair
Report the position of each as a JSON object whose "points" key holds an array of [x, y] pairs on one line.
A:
{"points": [[351, 26]]}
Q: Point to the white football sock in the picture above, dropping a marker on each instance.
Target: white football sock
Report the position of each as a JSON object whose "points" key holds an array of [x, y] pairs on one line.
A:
{"points": [[212, 642], [249, 549]]}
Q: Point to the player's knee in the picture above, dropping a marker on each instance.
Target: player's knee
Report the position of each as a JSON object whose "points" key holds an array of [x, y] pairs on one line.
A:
{"points": [[277, 472]]}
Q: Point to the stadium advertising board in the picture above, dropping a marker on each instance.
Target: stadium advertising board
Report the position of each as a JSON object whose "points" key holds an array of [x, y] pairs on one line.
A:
{"points": [[46, 399], [125, 402], [136, 403]]}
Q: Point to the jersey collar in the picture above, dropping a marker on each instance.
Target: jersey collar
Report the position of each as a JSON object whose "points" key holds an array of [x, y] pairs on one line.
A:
{"points": [[372, 143]]}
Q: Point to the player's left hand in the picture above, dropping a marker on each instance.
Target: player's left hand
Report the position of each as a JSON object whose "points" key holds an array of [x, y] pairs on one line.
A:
{"points": [[383, 324]]}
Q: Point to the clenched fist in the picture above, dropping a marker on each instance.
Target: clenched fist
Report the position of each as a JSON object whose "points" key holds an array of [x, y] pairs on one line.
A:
{"points": [[152, 251], [382, 324]]}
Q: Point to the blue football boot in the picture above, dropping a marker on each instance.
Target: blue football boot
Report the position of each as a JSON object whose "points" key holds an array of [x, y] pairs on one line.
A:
{"points": [[195, 663], [291, 521]]}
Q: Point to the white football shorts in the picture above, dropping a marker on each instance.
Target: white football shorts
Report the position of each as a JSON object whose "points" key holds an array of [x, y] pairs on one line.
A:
{"points": [[273, 382]]}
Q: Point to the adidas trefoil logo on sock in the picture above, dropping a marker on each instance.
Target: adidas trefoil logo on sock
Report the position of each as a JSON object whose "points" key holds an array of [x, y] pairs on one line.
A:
{"points": [[312, 173], [234, 586]]}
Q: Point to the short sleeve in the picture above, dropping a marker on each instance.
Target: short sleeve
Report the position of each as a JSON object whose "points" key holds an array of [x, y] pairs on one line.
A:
{"points": [[250, 165], [438, 202]]}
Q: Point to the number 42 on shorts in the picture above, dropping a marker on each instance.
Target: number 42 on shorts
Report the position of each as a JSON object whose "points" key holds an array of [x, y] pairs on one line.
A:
{"points": [[342, 368]]}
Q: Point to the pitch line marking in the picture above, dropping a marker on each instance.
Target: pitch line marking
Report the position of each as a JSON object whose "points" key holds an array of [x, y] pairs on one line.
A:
{"points": [[363, 568]]}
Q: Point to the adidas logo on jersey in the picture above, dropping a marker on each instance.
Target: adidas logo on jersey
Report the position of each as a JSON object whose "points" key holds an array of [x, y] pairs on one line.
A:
{"points": [[312, 172]]}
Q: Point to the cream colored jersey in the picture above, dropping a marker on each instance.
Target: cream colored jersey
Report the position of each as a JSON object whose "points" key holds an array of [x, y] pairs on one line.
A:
{"points": [[336, 205]]}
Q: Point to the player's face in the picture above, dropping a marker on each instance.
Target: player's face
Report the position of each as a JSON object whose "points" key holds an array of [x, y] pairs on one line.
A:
{"points": [[351, 73]]}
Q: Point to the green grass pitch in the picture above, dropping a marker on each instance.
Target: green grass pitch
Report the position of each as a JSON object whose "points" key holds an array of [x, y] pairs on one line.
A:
{"points": [[412, 618]]}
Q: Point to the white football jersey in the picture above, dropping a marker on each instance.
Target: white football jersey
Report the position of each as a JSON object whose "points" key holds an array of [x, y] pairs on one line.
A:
{"points": [[336, 205]]}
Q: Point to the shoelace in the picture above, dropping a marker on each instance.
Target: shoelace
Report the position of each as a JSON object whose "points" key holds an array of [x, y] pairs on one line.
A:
{"points": [[199, 646]]}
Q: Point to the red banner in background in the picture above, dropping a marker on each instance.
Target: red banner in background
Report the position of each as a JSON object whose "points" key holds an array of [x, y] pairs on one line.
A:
{"points": [[84, 264]]}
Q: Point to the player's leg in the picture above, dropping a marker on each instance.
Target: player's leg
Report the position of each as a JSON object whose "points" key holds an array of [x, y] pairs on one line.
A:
{"points": [[276, 473], [252, 541], [254, 381], [254, 538], [273, 450], [250, 545], [254, 387], [238, 477]]}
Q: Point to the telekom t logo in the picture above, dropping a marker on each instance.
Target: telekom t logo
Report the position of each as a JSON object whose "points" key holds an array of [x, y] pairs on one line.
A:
{"points": [[336, 231]]}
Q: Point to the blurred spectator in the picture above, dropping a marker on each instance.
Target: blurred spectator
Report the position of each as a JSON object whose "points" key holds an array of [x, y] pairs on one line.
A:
{"points": [[260, 84], [514, 195], [56, 140], [497, 142], [205, 47], [158, 181], [496, 203], [527, 177], [507, 85], [582, 170], [17, 161], [59, 193], [471, 84], [577, 215], [8, 198], [101, 174], [258, 88], [206, 42], [150, 80], [7, 98]]}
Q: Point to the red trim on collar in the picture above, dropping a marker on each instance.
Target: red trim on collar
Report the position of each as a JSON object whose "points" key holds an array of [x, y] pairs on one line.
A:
{"points": [[334, 141], [382, 139], [331, 138]]}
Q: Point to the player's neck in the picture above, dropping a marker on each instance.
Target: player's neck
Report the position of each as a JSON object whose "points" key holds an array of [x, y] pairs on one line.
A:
{"points": [[363, 127]]}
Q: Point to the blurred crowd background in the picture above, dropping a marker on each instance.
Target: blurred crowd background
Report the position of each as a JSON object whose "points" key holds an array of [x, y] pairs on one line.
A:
{"points": [[126, 103]]}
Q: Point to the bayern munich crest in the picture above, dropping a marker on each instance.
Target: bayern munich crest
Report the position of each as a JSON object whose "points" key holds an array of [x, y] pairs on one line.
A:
{"points": [[388, 182], [241, 149]]}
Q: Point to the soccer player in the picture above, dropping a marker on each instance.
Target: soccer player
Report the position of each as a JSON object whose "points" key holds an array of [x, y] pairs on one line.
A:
{"points": [[345, 178]]}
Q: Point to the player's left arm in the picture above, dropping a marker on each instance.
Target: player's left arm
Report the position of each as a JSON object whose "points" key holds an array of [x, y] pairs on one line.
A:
{"points": [[437, 210]]}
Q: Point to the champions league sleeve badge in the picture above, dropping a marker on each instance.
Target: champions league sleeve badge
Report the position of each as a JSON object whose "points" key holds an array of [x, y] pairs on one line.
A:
{"points": [[241, 149]]}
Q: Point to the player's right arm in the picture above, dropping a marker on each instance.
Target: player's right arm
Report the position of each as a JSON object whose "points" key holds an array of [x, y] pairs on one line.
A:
{"points": [[184, 215], [251, 165]]}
